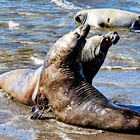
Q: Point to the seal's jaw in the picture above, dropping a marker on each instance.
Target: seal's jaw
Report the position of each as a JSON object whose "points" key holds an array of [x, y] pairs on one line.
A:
{"points": [[106, 42], [115, 38], [111, 38], [135, 27], [81, 18]]}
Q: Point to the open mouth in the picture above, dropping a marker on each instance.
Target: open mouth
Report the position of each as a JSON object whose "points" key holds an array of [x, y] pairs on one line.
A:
{"points": [[81, 18], [113, 37], [77, 18]]}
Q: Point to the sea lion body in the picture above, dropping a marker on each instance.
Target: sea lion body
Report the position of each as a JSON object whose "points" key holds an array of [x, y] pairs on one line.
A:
{"points": [[22, 84], [109, 18], [73, 100]]}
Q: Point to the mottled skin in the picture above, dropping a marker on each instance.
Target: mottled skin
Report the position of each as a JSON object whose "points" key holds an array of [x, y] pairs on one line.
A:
{"points": [[94, 53], [105, 17], [73, 100]]}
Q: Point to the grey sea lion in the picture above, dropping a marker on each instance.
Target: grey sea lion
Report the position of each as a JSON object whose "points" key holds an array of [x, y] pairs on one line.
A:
{"points": [[104, 17], [72, 98], [94, 53]]}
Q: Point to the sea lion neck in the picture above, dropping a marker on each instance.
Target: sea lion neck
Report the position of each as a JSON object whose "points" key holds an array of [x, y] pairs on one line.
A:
{"points": [[68, 48]]}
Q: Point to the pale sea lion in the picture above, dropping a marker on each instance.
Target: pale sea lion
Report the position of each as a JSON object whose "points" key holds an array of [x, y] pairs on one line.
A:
{"points": [[22, 84], [73, 100], [109, 18]]}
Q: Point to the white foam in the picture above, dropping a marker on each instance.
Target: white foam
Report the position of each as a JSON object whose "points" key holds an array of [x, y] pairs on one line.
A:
{"points": [[13, 25], [37, 61], [65, 4], [119, 68]]}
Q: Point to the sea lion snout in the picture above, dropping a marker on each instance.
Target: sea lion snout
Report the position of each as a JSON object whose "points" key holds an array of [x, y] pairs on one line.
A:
{"points": [[81, 17], [112, 37], [115, 37]]}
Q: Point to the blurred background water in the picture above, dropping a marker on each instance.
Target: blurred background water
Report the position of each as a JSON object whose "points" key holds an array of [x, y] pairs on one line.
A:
{"points": [[28, 28]]}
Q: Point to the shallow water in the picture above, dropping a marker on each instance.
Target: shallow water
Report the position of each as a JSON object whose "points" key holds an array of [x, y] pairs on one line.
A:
{"points": [[28, 28]]}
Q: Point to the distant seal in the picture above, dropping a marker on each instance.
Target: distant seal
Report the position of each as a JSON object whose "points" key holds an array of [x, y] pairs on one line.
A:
{"points": [[109, 18], [73, 100]]}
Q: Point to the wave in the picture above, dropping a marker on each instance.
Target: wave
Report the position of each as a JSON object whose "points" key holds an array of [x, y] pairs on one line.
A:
{"points": [[38, 61], [119, 68], [65, 4], [13, 25]]}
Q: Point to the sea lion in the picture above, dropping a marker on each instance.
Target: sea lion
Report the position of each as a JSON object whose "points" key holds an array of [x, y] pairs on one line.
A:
{"points": [[109, 18], [73, 100], [94, 53]]}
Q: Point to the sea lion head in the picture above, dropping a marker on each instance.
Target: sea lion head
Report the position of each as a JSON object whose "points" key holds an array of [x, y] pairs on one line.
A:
{"points": [[135, 27], [105, 43], [97, 46], [94, 53], [107, 40], [81, 17], [69, 46]]}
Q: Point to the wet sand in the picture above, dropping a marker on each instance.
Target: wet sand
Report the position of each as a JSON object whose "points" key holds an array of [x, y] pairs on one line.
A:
{"points": [[16, 125]]}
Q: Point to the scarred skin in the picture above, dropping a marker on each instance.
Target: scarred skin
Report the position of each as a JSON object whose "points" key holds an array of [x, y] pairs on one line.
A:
{"points": [[107, 17], [73, 100]]}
